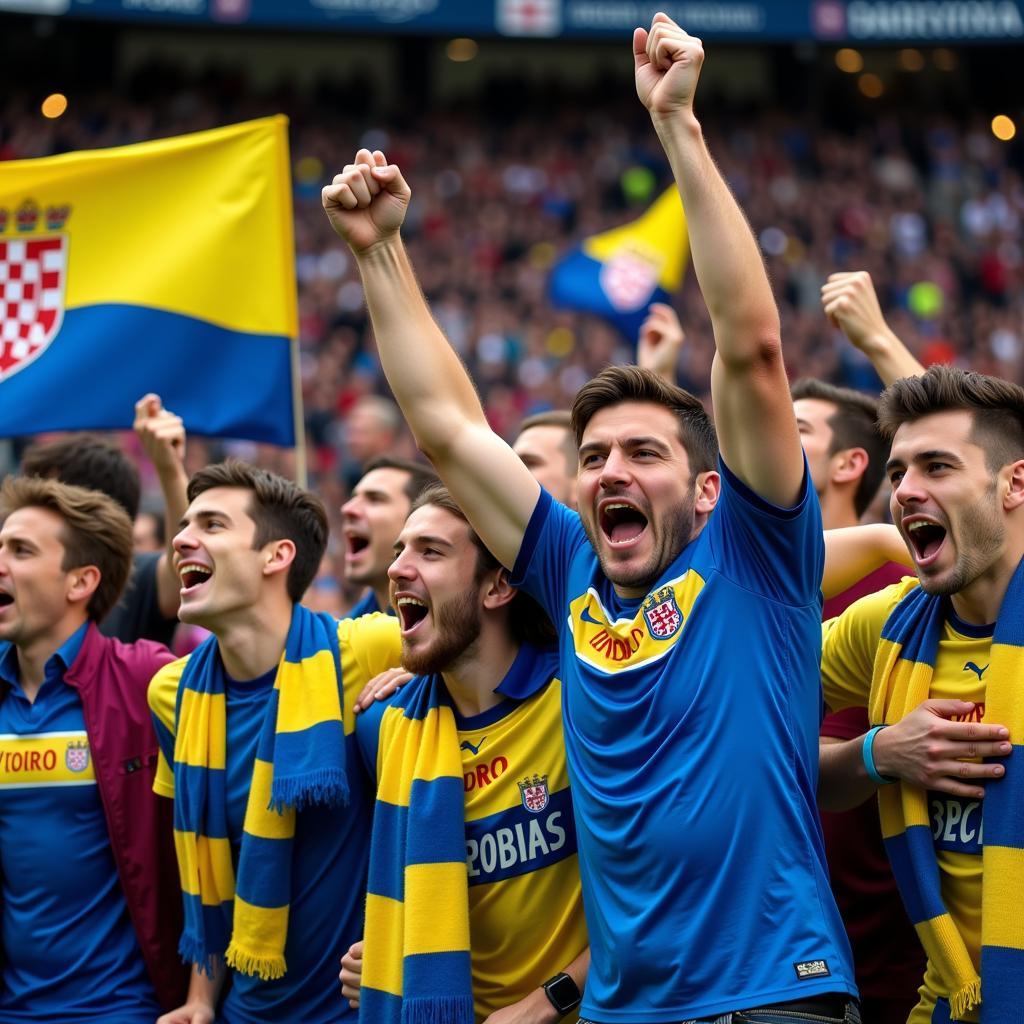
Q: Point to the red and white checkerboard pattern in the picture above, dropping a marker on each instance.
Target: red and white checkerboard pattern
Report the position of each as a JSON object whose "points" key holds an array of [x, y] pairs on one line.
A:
{"points": [[32, 278]]}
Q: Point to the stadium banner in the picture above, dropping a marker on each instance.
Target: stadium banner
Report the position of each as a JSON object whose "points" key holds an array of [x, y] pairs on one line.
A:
{"points": [[617, 274], [166, 266], [864, 21]]}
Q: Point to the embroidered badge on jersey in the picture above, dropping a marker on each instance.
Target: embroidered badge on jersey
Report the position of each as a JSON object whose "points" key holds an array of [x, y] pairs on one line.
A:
{"points": [[625, 644], [45, 759]]}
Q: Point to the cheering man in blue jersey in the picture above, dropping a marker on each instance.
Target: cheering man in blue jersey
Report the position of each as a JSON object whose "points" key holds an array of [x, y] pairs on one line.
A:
{"points": [[689, 635]]}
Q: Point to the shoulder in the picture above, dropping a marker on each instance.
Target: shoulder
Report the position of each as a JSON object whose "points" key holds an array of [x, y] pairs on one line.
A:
{"points": [[163, 688], [374, 631], [865, 618]]}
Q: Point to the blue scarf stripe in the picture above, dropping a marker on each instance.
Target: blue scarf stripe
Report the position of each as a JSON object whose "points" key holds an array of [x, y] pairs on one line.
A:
{"points": [[940, 1013], [200, 794], [441, 802], [907, 852], [1001, 983], [263, 884], [305, 780], [216, 922], [442, 972], [1010, 628], [387, 869], [1004, 802], [901, 624], [380, 1007], [418, 701]]}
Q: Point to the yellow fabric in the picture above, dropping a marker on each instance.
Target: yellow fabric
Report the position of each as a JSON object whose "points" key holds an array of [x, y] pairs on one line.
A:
{"points": [[612, 646], [848, 651], [545, 904], [128, 200]]}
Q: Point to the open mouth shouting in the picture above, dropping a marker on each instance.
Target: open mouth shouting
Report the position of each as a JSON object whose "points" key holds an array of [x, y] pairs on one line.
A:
{"points": [[193, 575], [355, 544], [412, 612], [621, 522], [6, 600], [927, 538]]}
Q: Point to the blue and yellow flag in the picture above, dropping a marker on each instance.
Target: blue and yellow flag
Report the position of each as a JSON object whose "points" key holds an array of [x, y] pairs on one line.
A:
{"points": [[167, 266], [619, 273]]}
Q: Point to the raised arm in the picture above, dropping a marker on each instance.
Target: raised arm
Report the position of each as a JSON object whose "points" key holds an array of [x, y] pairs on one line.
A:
{"points": [[852, 552], [366, 205], [753, 412], [850, 302]]}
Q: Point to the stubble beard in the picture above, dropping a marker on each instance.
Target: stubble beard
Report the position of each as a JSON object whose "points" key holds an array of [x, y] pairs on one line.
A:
{"points": [[457, 628]]}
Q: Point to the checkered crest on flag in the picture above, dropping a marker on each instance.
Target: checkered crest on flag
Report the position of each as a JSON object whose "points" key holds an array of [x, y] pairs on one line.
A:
{"points": [[33, 276]]}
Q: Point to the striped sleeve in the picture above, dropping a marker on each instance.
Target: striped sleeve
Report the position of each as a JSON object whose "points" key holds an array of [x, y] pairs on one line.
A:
{"points": [[162, 696]]}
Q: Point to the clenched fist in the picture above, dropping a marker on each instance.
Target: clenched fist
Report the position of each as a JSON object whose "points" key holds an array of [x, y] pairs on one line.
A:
{"points": [[367, 202]]}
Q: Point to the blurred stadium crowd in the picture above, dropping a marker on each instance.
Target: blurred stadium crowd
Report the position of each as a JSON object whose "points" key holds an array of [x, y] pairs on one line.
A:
{"points": [[929, 205]]}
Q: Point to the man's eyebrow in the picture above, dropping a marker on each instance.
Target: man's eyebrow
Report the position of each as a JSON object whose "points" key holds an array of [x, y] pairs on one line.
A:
{"points": [[203, 513], [934, 454], [645, 442]]}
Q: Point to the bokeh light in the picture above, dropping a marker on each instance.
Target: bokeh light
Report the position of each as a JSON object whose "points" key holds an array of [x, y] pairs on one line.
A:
{"points": [[54, 105]]}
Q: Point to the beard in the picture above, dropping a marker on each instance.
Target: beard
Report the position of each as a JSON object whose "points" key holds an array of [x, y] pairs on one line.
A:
{"points": [[457, 628], [674, 533], [987, 537]]}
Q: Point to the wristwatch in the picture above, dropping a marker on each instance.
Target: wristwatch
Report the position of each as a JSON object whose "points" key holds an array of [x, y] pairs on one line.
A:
{"points": [[563, 993]]}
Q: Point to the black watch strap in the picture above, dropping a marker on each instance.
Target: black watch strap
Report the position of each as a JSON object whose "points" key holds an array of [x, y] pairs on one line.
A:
{"points": [[563, 993]]}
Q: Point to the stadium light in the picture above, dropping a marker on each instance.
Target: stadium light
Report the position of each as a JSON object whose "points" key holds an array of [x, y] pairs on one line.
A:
{"points": [[1003, 127], [911, 60], [870, 85], [54, 105], [849, 60], [461, 50]]}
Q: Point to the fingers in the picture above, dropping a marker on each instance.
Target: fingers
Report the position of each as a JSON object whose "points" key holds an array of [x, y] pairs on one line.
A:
{"points": [[640, 58], [381, 687], [148, 405], [954, 788], [668, 44]]}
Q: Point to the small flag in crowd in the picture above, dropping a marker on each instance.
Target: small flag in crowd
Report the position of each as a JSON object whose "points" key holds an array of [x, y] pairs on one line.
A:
{"points": [[619, 273], [167, 266]]}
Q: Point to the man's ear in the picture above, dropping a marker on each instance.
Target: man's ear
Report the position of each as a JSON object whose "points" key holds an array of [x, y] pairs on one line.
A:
{"points": [[849, 465], [1013, 496], [82, 583], [279, 555], [707, 490], [499, 591]]}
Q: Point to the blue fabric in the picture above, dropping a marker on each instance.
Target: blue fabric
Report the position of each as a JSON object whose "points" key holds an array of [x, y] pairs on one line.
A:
{"points": [[366, 605], [329, 858], [70, 952], [694, 773]]}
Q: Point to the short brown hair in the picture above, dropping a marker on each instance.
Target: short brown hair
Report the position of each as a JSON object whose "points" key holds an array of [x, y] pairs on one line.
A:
{"points": [[86, 460], [853, 425], [97, 531], [420, 477], [617, 384], [280, 509], [556, 418], [527, 620], [997, 407]]}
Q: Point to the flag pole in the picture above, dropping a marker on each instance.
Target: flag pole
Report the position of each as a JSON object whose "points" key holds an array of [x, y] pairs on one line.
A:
{"points": [[299, 419]]}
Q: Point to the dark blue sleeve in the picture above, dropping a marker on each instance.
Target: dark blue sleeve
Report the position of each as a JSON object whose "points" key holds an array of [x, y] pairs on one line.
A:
{"points": [[368, 735], [552, 537], [776, 552], [164, 739]]}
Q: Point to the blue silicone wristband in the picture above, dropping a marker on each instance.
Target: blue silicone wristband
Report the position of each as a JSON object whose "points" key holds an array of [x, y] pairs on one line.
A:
{"points": [[867, 753]]}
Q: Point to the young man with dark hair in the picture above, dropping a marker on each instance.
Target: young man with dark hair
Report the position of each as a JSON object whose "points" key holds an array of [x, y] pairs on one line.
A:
{"points": [[257, 748], [547, 447], [90, 910], [149, 606], [371, 519], [937, 662], [693, 753], [471, 752]]}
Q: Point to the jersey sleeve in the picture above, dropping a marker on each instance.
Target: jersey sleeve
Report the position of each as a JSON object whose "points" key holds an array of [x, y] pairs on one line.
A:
{"points": [[162, 696], [553, 536], [369, 645], [768, 550], [848, 647]]}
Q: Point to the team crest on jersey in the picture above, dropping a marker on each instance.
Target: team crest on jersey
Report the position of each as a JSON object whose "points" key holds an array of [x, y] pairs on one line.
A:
{"points": [[535, 793], [76, 757], [33, 280], [662, 614]]}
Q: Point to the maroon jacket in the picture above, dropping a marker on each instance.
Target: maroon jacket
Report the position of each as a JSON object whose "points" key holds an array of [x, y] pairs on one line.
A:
{"points": [[111, 678]]}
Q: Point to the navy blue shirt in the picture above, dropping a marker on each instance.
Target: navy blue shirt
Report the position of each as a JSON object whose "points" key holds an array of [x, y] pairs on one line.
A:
{"points": [[70, 952]]}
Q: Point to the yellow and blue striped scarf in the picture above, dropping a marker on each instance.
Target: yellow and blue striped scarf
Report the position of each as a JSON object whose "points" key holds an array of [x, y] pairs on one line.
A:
{"points": [[416, 961], [901, 681], [300, 761]]}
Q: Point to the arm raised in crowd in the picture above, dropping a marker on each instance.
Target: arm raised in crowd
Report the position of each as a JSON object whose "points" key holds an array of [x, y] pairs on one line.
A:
{"points": [[660, 342], [366, 205], [850, 302], [753, 412]]}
